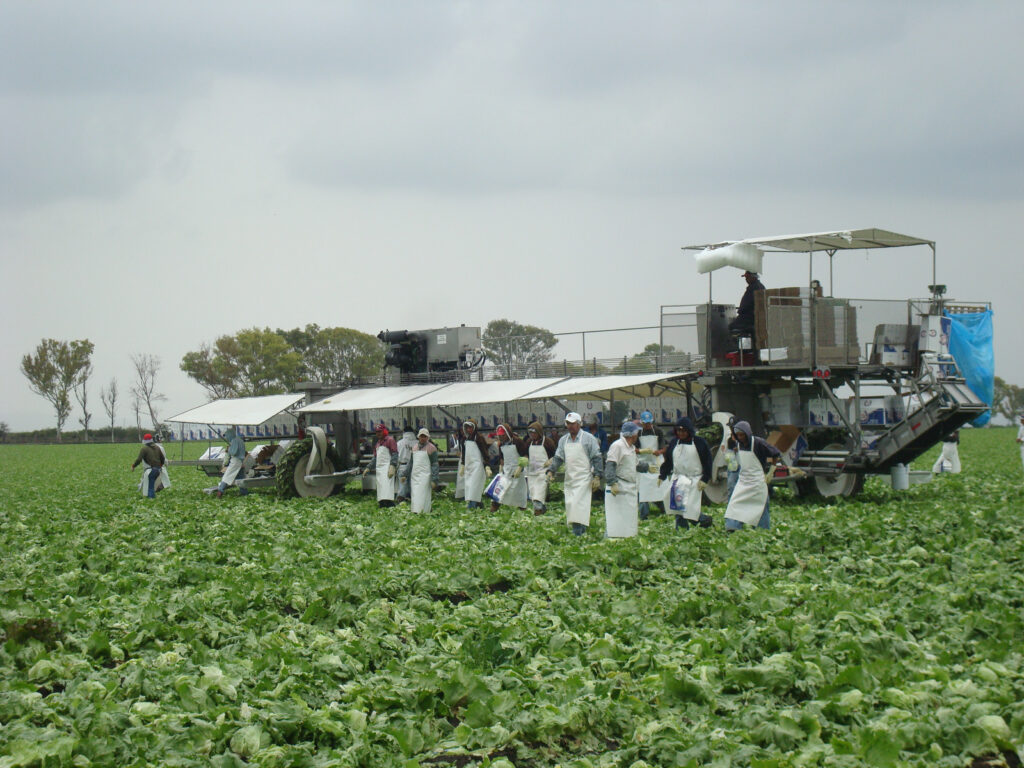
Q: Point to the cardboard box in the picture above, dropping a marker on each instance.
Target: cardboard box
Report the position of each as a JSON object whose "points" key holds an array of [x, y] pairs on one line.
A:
{"points": [[789, 440], [822, 412]]}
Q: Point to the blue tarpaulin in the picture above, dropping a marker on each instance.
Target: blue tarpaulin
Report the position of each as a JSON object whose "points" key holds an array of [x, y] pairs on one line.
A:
{"points": [[970, 343]]}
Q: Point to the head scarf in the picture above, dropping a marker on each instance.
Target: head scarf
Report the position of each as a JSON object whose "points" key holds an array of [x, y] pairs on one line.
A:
{"points": [[381, 428], [744, 427], [629, 428], [540, 430], [685, 423]]}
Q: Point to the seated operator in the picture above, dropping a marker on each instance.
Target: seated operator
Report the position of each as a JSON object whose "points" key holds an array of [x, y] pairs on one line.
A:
{"points": [[743, 324]]}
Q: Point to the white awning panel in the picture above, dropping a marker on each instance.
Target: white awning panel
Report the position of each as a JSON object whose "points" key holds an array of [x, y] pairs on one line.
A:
{"points": [[370, 397], [621, 387], [476, 392], [825, 241], [243, 411]]}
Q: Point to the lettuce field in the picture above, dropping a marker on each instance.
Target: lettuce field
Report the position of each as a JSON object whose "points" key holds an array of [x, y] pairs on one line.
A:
{"points": [[887, 630]]}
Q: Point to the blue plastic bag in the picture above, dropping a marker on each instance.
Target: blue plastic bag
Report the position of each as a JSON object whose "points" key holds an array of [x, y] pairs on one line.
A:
{"points": [[970, 343]]}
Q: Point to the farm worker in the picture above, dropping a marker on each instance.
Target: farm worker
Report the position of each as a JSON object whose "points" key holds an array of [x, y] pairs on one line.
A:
{"points": [[421, 471], [384, 464], [405, 446], [651, 443], [165, 480], [512, 461], [620, 476], [743, 323], [599, 432], [152, 460], [749, 501], [473, 465], [455, 447], [949, 459], [581, 454], [539, 450], [732, 460], [1020, 439], [236, 455], [687, 468]]}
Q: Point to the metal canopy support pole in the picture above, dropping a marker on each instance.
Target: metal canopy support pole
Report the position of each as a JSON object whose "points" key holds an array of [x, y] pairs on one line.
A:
{"points": [[560, 404], [934, 277], [856, 409], [584, 337], [831, 256], [689, 399], [812, 324]]}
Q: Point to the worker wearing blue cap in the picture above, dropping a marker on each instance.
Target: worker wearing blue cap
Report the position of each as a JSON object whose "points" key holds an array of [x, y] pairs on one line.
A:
{"points": [[621, 471], [651, 443]]}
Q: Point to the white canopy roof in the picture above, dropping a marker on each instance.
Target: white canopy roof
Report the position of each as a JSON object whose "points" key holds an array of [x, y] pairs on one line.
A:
{"points": [[621, 386], [243, 411], [825, 241], [370, 397], [476, 392]]}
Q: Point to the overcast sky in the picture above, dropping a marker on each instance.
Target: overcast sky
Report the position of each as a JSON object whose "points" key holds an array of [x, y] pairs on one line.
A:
{"points": [[172, 172]]}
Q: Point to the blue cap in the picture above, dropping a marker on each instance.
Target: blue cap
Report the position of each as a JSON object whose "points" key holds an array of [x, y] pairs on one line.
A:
{"points": [[629, 428], [647, 417]]}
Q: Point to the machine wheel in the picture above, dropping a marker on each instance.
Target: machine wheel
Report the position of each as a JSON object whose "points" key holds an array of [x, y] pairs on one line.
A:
{"points": [[291, 472], [717, 491], [847, 484]]}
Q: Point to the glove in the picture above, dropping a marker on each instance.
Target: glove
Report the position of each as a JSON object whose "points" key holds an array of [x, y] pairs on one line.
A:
{"points": [[546, 464], [487, 470], [646, 451], [517, 472], [653, 469], [595, 484], [524, 461], [433, 485], [551, 476], [366, 472], [462, 470], [614, 488], [391, 470], [701, 485]]}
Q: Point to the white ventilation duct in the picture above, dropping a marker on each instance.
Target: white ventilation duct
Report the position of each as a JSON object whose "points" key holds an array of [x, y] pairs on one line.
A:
{"points": [[745, 256]]}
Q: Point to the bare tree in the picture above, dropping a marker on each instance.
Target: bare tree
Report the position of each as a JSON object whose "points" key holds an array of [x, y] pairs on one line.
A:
{"points": [[108, 395], [53, 371], [146, 367], [137, 408], [81, 390]]}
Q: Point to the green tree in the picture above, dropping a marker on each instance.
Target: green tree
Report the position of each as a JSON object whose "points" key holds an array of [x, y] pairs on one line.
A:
{"points": [[1007, 400], [335, 354], [54, 370], [252, 362], [512, 346]]}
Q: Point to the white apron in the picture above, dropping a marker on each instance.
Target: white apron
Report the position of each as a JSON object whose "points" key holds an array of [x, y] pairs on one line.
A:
{"points": [[419, 483], [385, 484], [577, 484], [949, 459], [647, 484], [144, 481], [751, 493], [621, 516], [514, 494], [234, 467], [474, 475], [686, 473], [536, 474]]}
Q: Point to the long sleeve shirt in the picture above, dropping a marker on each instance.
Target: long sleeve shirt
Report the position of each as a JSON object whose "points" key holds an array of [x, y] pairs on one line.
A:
{"points": [[151, 455], [590, 446]]}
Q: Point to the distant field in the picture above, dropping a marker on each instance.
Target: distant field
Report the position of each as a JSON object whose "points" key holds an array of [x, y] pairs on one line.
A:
{"points": [[885, 630]]}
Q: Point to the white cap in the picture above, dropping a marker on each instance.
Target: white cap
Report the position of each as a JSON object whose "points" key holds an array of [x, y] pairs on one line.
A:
{"points": [[573, 418], [423, 431]]}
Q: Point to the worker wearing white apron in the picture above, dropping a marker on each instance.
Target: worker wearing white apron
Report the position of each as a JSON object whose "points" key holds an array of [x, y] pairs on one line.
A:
{"points": [[513, 462], [474, 463], [684, 474], [384, 464], [581, 454], [748, 504], [151, 459], [949, 459], [236, 456], [1020, 439], [421, 473], [540, 450], [455, 445], [405, 447], [650, 445], [621, 472]]}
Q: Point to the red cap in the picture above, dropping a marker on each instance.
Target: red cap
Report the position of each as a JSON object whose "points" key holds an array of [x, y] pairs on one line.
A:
{"points": [[147, 436]]}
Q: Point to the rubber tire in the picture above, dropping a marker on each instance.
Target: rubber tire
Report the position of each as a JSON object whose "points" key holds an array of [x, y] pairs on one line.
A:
{"points": [[847, 485], [287, 487]]}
